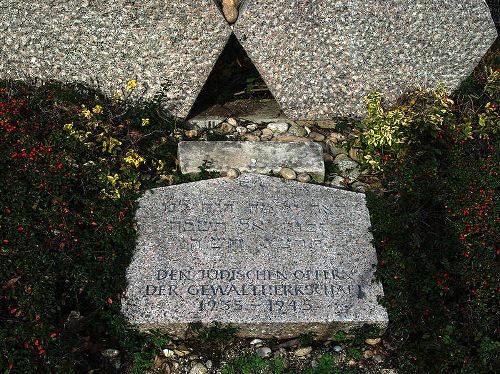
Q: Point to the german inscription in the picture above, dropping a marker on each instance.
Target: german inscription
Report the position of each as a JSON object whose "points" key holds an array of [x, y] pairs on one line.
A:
{"points": [[268, 256]]}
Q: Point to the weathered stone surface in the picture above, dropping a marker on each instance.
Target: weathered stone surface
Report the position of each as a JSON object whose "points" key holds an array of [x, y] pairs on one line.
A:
{"points": [[259, 157], [320, 58], [274, 258], [112, 41]]}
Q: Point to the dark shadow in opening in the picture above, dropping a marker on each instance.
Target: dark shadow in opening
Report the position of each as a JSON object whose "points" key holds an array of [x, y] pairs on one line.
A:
{"points": [[234, 78], [219, 4]]}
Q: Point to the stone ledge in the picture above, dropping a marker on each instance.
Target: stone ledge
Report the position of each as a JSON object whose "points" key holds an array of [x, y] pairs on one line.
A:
{"points": [[257, 157]]}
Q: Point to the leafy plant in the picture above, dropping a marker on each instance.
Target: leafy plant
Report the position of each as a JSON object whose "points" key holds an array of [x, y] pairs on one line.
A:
{"points": [[252, 364], [66, 220]]}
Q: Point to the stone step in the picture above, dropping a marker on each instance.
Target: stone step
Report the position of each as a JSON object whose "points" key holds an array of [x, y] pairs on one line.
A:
{"points": [[257, 157], [272, 258]]}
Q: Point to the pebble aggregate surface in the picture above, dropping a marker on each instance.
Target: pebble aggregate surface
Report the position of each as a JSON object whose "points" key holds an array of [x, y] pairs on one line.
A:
{"points": [[320, 58], [106, 43]]}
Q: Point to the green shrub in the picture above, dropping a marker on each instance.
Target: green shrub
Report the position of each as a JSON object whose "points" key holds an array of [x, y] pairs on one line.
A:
{"points": [[66, 220], [436, 228], [73, 162], [252, 364]]}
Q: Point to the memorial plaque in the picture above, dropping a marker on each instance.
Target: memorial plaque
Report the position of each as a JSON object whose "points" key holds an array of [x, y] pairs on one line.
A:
{"points": [[273, 258]]}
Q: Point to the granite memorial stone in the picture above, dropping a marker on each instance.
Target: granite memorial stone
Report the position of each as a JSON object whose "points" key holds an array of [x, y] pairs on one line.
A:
{"points": [[320, 58], [257, 157], [109, 42], [273, 258]]}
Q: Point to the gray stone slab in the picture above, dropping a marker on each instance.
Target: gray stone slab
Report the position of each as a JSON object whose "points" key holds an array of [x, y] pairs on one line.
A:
{"points": [[251, 110], [273, 258], [320, 58], [109, 42], [258, 157]]}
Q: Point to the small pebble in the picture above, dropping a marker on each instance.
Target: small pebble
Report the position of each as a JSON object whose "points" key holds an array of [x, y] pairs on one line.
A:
{"points": [[233, 173], [264, 352], [296, 130], [241, 130], [316, 137], [267, 132], [230, 13], [327, 124], [304, 178], [336, 137], [337, 348], [256, 341], [168, 353], [348, 168], [209, 364], [110, 353], [257, 133], [251, 138], [302, 352], [288, 173], [377, 358], [232, 122], [338, 181], [181, 353], [252, 127], [191, 133], [226, 128], [340, 157], [327, 157], [198, 368], [373, 341], [278, 128]]}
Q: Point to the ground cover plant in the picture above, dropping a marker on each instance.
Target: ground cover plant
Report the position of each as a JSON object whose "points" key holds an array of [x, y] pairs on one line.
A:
{"points": [[70, 172], [437, 229], [72, 163]]}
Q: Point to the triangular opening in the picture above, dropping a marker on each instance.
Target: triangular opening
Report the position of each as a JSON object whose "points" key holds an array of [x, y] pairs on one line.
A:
{"points": [[234, 88]]}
